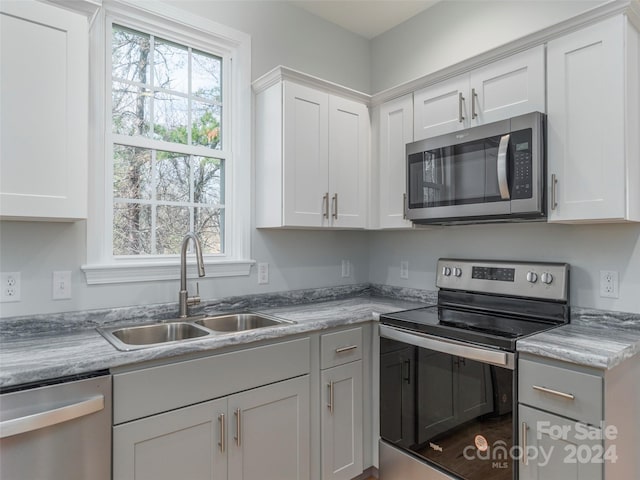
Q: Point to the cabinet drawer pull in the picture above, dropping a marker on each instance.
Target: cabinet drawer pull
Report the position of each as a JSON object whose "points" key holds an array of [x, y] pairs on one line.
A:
{"points": [[524, 429], [346, 349], [554, 392], [238, 437], [221, 443], [330, 404]]}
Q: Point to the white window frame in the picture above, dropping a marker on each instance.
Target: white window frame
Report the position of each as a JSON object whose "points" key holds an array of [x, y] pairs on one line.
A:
{"points": [[170, 23]]}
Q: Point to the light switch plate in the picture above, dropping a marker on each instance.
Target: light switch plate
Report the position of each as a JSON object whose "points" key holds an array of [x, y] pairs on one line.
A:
{"points": [[61, 285]]}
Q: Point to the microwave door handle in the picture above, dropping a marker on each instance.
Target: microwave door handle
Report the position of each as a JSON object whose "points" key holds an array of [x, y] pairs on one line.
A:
{"points": [[503, 182]]}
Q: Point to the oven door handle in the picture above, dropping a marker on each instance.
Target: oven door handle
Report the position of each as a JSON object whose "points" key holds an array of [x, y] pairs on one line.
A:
{"points": [[451, 347]]}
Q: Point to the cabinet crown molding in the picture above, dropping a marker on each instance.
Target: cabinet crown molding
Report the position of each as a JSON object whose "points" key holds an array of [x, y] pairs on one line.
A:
{"points": [[282, 73]]}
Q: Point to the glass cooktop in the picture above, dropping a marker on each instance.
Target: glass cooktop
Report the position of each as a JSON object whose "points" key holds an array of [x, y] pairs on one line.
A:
{"points": [[487, 329]]}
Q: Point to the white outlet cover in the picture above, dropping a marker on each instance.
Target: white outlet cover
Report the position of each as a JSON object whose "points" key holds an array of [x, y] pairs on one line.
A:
{"points": [[404, 269], [609, 284], [263, 273], [11, 287]]}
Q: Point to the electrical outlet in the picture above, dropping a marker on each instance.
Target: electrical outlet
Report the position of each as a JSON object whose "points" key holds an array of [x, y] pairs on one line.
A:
{"points": [[609, 283], [61, 285], [10, 282], [346, 268], [263, 273], [404, 269]]}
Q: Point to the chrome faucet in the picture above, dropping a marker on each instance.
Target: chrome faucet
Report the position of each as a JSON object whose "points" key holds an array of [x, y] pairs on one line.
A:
{"points": [[184, 299]]}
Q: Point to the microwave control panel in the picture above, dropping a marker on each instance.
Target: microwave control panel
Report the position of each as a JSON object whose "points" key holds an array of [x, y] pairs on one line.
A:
{"points": [[522, 176]]}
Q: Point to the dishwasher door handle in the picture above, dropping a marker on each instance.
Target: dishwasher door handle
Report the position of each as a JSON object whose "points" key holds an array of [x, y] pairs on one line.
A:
{"points": [[37, 421]]}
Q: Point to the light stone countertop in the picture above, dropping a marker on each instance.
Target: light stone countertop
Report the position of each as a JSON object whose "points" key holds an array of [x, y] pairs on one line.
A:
{"points": [[41, 356], [594, 338], [45, 347]]}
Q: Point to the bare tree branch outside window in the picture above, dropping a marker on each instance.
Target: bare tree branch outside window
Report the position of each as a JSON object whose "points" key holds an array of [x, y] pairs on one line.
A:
{"points": [[169, 93]]}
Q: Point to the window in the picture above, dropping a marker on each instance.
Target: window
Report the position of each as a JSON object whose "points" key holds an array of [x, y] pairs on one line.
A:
{"points": [[167, 138], [172, 144]]}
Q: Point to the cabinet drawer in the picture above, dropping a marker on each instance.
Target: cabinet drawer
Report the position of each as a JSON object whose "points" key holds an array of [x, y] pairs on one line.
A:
{"points": [[340, 347], [562, 391], [153, 390]]}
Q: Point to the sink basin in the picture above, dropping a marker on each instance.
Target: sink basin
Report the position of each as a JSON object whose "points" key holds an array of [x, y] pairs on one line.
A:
{"points": [[238, 322], [129, 338], [134, 337]]}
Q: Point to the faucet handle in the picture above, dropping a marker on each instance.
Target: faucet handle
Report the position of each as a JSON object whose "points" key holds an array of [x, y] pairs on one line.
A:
{"points": [[196, 298]]}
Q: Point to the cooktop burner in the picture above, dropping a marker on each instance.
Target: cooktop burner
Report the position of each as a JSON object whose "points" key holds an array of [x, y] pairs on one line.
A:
{"points": [[477, 328]]}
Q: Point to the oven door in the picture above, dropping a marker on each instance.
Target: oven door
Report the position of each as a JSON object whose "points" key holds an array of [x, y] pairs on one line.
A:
{"points": [[447, 404]]}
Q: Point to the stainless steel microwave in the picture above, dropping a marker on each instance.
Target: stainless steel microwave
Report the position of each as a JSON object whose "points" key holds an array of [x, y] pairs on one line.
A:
{"points": [[490, 173]]}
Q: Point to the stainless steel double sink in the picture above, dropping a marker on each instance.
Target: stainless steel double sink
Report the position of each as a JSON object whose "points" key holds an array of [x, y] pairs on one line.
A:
{"points": [[134, 337]]}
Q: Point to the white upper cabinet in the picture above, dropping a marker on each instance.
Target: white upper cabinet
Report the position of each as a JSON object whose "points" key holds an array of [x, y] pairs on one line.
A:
{"points": [[395, 131], [593, 110], [44, 112], [512, 86], [312, 157]]}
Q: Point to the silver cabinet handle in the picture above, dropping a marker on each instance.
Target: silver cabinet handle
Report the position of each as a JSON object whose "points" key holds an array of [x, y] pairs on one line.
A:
{"points": [[404, 206], [524, 428], [346, 349], [554, 187], [503, 182], [325, 205], [568, 396], [223, 435], [460, 102], [238, 437], [334, 208], [330, 404], [40, 420], [474, 95]]}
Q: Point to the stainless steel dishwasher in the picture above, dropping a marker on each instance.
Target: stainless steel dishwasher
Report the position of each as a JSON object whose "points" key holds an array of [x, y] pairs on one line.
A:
{"points": [[59, 430]]}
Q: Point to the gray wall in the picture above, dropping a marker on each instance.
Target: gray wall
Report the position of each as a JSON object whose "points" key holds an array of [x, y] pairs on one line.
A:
{"points": [[281, 35], [587, 248], [455, 30]]}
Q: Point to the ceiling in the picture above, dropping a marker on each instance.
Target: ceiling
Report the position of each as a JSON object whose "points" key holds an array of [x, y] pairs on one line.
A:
{"points": [[368, 18]]}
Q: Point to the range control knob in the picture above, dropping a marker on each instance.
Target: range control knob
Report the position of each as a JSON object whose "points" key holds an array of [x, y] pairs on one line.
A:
{"points": [[446, 271], [532, 277], [457, 272], [546, 278]]}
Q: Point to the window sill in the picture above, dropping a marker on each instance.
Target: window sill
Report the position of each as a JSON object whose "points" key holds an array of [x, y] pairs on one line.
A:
{"points": [[127, 272]]}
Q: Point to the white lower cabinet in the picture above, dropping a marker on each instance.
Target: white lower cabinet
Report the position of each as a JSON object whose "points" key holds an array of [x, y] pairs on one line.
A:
{"points": [[342, 446], [262, 433]]}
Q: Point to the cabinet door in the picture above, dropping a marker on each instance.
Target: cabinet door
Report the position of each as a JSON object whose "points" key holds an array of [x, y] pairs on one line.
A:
{"points": [[441, 108], [555, 450], [184, 443], [342, 422], [585, 124], [43, 112], [269, 432], [348, 160], [306, 157], [508, 88], [397, 396], [396, 130]]}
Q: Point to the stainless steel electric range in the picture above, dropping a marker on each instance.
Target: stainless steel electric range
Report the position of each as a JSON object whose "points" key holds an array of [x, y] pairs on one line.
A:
{"points": [[448, 376]]}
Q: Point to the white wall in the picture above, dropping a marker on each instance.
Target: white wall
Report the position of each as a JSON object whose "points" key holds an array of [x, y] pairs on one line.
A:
{"points": [[587, 248], [453, 31]]}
